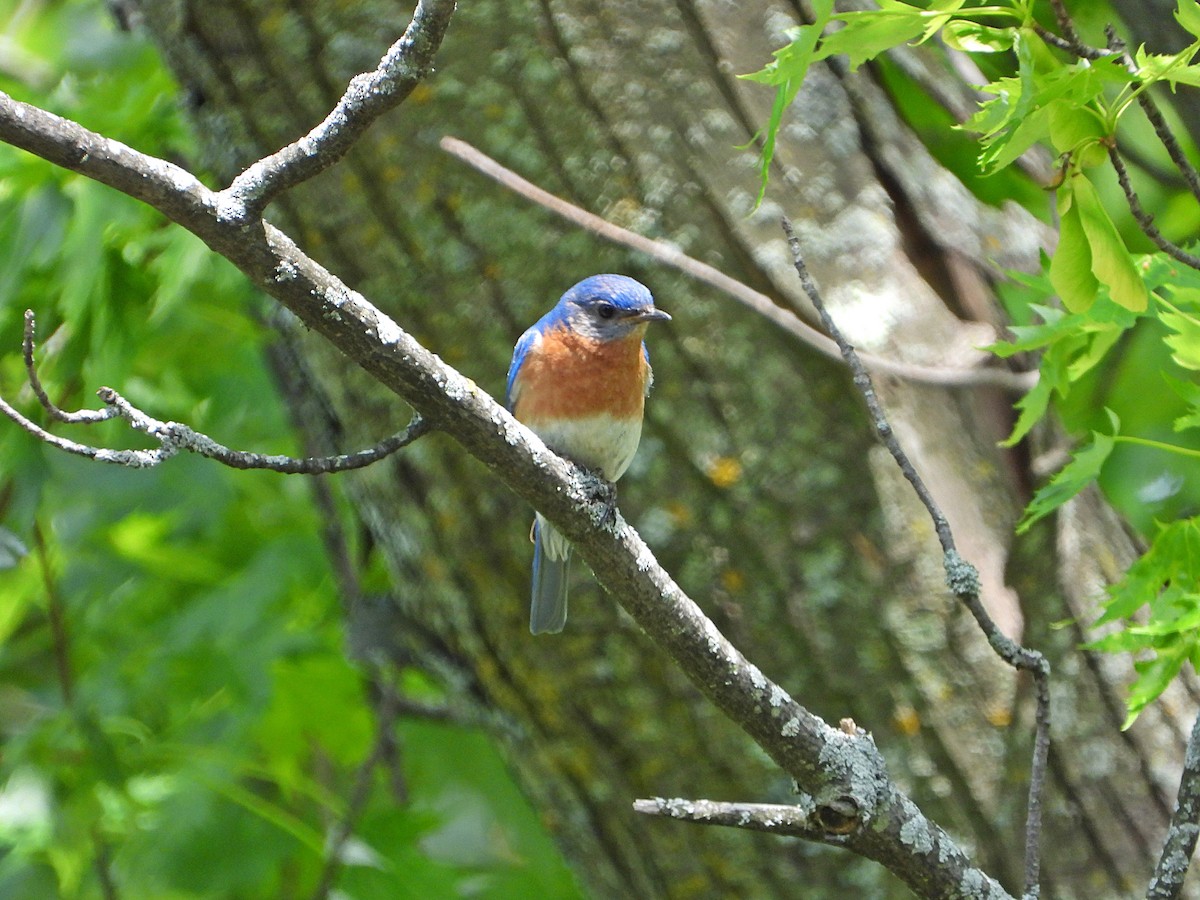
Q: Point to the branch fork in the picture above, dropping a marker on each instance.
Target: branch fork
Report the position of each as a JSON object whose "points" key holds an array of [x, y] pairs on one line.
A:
{"points": [[368, 96], [173, 437]]}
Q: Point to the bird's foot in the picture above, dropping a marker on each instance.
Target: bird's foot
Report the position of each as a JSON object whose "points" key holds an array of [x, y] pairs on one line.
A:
{"points": [[602, 493]]}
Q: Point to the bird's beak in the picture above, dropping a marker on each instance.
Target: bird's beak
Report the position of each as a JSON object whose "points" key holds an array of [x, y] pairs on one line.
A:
{"points": [[651, 315]]}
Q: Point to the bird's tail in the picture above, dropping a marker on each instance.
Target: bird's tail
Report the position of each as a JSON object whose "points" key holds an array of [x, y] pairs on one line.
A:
{"points": [[551, 559]]}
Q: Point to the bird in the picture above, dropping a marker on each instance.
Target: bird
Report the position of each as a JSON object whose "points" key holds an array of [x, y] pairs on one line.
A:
{"points": [[579, 379]]}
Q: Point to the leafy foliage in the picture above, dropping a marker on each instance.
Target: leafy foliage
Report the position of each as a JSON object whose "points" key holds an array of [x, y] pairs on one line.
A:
{"points": [[175, 694], [1114, 330], [1167, 574]]}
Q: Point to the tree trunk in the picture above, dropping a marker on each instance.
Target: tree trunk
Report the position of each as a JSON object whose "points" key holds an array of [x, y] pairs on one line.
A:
{"points": [[757, 483]]}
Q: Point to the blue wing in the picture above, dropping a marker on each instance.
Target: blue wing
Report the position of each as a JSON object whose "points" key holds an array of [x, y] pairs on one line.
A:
{"points": [[649, 370], [519, 353]]}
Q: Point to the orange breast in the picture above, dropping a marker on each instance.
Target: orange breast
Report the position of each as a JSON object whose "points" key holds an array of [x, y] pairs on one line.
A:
{"points": [[569, 376]]}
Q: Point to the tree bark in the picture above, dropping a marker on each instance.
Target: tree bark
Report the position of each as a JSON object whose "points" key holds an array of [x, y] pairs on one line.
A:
{"points": [[757, 485]]}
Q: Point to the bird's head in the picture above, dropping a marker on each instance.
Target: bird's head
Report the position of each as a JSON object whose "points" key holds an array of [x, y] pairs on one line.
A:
{"points": [[609, 307]]}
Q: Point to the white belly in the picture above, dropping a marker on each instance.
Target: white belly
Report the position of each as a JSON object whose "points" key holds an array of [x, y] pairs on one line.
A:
{"points": [[602, 443]]}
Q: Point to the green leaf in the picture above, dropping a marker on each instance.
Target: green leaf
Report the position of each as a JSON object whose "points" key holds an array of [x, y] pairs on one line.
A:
{"points": [[1187, 619], [1163, 271], [273, 813], [934, 24], [1153, 677], [1189, 392], [971, 37], [1082, 470], [1019, 114], [1188, 75], [787, 73], [1010, 145], [867, 34], [1117, 642], [1018, 122], [1167, 580], [1052, 377], [1071, 125], [1077, 130], [1071, 266], [1174, 67], [1188, 16], [1032, 406], [84, 280], [1111, 263], [141, 538], [1072, 346], [1055, 325], [1100, 339], [1172, 561], [997, 113], [1185, 342], [23, 594]]}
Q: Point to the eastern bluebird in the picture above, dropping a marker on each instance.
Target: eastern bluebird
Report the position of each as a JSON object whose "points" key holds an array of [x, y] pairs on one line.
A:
{"points": [[579, 379]]}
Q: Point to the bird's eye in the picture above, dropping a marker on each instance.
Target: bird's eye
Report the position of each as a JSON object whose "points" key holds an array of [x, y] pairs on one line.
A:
{"points": [[605, 310]]}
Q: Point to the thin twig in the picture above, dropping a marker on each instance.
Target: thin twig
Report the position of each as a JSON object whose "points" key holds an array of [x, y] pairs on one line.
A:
{"points": [[132, 458], [961, 577], [83, 416], [1144, 219], [1155, 117], [103, 866], [1070, 40], [1180, 842], [670, 255], [60, 636], [1065, 24], [367, 97], [175, 436], [1071, 43], [361, 791], [1082, 50], [770, 817]]}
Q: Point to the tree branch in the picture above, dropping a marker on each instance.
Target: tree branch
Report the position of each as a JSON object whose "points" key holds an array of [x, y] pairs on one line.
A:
{"points": [[1161, 129], [795, 821], [1066, 45], [175, 436], [1070, 40], [961, 577], [1176, 858], [853, 797], [83, 416], [367, 97], [1144, 219]]}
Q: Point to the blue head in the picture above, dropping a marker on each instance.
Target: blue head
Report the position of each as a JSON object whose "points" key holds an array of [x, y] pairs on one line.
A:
{"points": [[607, 307]]}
